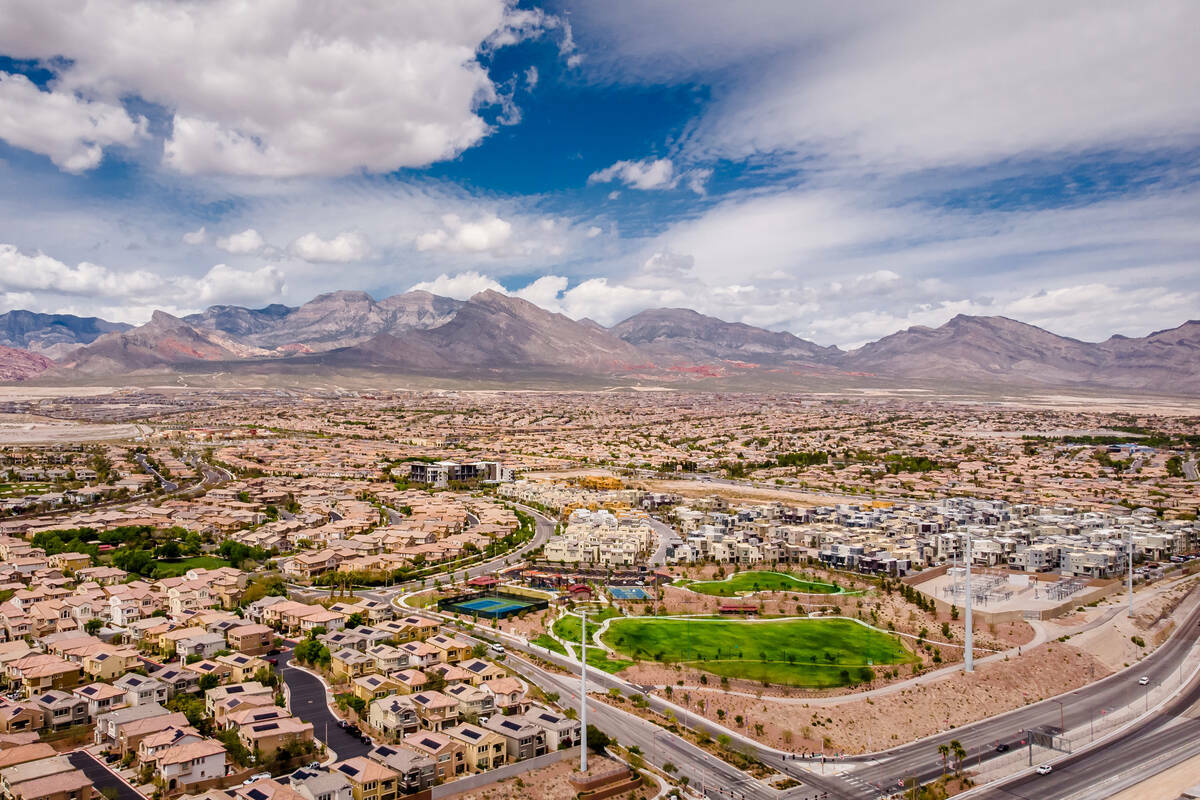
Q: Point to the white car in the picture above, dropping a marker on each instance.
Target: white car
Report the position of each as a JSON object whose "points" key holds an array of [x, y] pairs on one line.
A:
{"points": [[1142, 681], [1044, 769]]}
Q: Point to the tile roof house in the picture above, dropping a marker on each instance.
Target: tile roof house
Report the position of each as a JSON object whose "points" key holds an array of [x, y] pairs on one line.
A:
{"points": [[190, 762]]}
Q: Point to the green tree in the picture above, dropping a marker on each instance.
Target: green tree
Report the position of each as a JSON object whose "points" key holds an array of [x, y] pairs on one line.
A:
{"points": [[168, 550]]}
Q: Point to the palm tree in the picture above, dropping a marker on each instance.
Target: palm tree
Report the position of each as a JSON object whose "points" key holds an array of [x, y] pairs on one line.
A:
{"points": [[960, 754], [944, 752]]}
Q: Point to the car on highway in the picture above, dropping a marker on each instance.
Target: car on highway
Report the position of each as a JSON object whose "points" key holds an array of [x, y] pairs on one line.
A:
{"points": [[1003, 747], [1142, 681], [1044, 769]]}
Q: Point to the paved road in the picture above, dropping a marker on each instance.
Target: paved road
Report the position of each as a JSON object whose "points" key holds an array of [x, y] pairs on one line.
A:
{"points": [[167, 485], [309, 703], [1189, 469], [1077, 710], [657, 745], [101, 776], [1151, 747], [666, 536]]}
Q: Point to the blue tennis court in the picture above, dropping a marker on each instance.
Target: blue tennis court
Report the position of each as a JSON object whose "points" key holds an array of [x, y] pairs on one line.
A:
{"points": [[491, 605], [628, 593]]}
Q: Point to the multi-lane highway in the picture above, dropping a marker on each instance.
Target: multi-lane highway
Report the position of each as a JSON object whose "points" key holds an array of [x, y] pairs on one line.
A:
{"points": [[1157, 743], [1076, 710]]}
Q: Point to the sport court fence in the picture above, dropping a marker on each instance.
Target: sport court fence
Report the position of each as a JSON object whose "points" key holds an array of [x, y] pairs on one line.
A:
{"points": [[490, 604]]}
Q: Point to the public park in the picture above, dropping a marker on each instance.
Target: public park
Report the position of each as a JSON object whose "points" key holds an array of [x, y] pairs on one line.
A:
{"points": [[806, 653], [741, 583]]}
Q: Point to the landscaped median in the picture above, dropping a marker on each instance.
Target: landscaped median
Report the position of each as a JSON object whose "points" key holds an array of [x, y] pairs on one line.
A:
{"points": [[811, 653]]}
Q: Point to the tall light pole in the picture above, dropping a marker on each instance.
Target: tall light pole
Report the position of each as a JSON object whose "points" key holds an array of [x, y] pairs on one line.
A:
{"points": [[583, 690], [969, 639], [1129, 548]]}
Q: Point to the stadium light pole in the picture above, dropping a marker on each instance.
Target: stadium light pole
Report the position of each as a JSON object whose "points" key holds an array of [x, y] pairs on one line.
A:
{"points": [[969, 639], [583, 690]]}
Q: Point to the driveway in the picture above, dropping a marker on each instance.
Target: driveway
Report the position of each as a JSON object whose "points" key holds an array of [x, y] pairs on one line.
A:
{"points": [[101, 776], [309, 703]]}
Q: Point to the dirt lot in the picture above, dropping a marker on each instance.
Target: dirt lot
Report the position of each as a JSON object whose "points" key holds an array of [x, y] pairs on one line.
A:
{"points": [[547, 783], [859, 726], [24, 432]]}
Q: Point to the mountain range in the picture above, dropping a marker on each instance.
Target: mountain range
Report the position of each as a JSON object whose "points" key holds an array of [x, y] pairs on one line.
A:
{"points": [[498, 337]]}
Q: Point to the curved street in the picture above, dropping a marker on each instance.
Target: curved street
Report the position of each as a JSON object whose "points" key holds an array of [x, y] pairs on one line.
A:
{"points": [[308, 699]]}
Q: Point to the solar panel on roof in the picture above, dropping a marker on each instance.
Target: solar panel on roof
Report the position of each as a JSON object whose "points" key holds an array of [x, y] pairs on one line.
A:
{"points": [[258, 794], [430, 743], [270, 726], [385, 751]]}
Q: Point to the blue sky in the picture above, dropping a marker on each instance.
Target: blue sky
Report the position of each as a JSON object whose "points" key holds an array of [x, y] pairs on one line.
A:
{"points": [[839, 172]]}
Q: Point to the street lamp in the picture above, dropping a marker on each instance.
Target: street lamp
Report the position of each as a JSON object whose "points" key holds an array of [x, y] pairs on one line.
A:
{"points": [[583, 690], [1062, 726]]}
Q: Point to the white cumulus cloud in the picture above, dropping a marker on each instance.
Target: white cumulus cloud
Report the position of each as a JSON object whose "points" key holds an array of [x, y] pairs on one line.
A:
{"points": [[277, 89], [343, 248], [486, 234], [41, 280], [70, 130], [646, 174], [225, 284], [459, 286], [198, 236], [244, 243]]}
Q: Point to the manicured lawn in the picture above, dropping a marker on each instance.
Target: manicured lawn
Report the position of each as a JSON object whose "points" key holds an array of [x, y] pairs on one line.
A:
{"points": [[761, 581], [801, 652], [568, 627], [598, 659], [173, 569], [550, 643]]}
